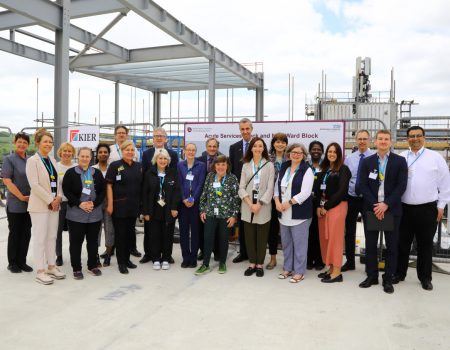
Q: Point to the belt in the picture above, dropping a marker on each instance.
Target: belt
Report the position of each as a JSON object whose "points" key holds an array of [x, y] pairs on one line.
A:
{"points": [[419, 205]]}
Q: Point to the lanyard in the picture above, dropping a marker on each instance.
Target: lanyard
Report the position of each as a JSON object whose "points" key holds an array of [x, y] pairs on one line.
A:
{"points": [[255, 170], [218, 191], [161, 183], [49, 168], [415, 160], [288, 175], [278, 164], [118, 151], [382, 168], [87, 179], [189, 171], [326, 176]]}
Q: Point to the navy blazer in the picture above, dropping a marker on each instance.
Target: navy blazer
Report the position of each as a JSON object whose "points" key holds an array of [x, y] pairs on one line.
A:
{"points": [[199, 172], [204, 158], [395, 182], [236, 154], [148, 154]]}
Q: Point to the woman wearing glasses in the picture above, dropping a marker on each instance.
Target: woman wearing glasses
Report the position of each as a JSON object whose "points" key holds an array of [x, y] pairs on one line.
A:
{"points": [[293, 200]]}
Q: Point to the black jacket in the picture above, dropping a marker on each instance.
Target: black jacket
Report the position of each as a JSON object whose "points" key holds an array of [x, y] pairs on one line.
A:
{"points": [[150, 192], [72, 187]]}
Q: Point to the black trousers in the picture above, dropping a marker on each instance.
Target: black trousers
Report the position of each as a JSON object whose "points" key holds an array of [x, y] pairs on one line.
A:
{"points": [[355, 206], [274, 232], [391, 241], [242, 246], [77, 232], [417, 221], [216, 230], [161, 239], [19, 225], [314, 254], [201, 240], [124, 231], [61, 227]]}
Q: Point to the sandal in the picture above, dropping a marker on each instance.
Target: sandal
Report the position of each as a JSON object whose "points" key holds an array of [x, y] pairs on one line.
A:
{"points": [[270, 266], [284, 275], [296, 280]]}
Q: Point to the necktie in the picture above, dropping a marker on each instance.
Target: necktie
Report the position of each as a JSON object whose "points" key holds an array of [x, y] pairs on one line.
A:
{"points": [[245, 147], [361, 157], [210, 159]]}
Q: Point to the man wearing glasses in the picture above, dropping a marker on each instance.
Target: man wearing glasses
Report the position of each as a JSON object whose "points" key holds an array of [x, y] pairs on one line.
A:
{"points": [[426, 195], [159, 142], [355, 200]]}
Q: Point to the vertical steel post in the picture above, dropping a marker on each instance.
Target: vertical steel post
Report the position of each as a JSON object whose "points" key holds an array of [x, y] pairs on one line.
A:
{"points": [[212, 91], [260, 100], [116, 103], [156, 108]]}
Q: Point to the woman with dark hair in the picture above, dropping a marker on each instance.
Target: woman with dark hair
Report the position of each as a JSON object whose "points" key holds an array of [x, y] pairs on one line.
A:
{"points": [[277, 156], [19, 222], [219, 207], [102, 155], [84, 187], [330, 195], [256, 192], [316, 150]]}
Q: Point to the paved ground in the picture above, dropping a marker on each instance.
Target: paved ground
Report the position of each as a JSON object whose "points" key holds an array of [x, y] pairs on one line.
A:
{"points": [[174, 309]]}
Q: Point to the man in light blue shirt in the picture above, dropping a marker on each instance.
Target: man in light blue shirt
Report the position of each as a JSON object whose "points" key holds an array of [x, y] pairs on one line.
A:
{"points": [[355, 202]]}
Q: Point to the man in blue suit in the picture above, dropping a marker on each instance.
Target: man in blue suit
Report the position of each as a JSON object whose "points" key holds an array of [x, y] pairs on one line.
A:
{"points": [[159, 142], [382, 180]]}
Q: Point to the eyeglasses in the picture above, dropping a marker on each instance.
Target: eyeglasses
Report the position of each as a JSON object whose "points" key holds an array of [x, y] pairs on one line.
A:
{"points": [[296, 153], [414, 136], [159, 136], [362, 139]]}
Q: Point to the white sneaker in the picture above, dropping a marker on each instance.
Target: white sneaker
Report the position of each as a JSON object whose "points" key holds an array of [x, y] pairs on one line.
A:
{"points": [[165, 265], [156, 265], [43, 278], [56, 273]]}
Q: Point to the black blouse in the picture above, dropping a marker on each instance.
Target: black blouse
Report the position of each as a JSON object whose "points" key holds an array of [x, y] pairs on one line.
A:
{"points": [[336, 187]]}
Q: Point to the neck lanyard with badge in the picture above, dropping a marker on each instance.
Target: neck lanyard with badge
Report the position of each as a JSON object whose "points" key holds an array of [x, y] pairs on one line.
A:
{"points": [[190, 178], [288, 182], [161, 200], [410, 170], [256, 181], [382, 168], [87, 181], [323, 187], [218, 186], [51, 173], [118, 151]]}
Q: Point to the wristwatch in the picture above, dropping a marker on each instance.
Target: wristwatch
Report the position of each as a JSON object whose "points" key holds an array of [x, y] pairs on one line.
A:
{"points": [[291, 202]]}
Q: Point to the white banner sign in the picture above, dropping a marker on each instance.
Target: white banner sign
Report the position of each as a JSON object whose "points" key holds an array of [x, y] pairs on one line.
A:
{"points": [[302, 131], [84, 136]]}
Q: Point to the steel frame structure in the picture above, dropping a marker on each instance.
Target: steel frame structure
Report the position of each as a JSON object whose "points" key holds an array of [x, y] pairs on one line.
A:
{"points": [[194, 64]]}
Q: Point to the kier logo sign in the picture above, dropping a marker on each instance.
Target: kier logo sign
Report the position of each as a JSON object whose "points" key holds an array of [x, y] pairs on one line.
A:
{"points": [[73, 135], [84, 136]]}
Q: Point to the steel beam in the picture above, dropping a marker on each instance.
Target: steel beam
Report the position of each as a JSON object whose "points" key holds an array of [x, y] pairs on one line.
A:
{"points": [[212, 91], [26, 51], [42, 12], [61, 84], [166, 22]]}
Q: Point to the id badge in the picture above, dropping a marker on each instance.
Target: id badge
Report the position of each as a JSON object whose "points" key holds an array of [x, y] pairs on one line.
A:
{"points": [[255, 195], [190, 199], [256, 181], [216, 185], [410, 172], [161, 202], [54, 194], [53, 184], [189, 177], [322, 202], [216, 211], [118, 177], [323, 187], [86, 191], [373, 176]]}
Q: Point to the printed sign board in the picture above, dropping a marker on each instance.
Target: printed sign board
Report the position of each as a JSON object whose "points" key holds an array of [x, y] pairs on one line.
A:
{"points": [[84, 136], [297, 131]]}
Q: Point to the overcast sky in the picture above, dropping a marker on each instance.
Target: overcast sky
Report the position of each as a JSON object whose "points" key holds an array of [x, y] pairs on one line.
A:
{"points": [[289, 37]]}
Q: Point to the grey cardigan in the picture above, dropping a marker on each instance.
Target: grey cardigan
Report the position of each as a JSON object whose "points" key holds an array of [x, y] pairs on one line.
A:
{"points": [[266, 175]]}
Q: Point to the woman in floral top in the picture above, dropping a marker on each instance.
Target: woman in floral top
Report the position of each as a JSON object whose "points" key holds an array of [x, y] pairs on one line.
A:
{"points": [[219, 206]]}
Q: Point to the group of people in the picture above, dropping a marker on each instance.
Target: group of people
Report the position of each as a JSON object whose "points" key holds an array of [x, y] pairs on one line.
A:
{"points": [[310, 198]]}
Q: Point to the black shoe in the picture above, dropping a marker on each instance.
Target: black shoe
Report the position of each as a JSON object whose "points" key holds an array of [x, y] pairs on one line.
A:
{"points": [[347, 267], [171, 261], [135, 253], [309, 266], [240, 258], [184, 264], [259, 272], [200, 256], [130, 265], [388, 287], [368, 282], [193, 265], [99, 264], [319, 267], [396, 279], [427, 285], [145, 259], [338, 278], [250, 271], [25, 267], [323, 274], [59, 260], [14, 268], [123, 269], [107, 261], [104, 254]]}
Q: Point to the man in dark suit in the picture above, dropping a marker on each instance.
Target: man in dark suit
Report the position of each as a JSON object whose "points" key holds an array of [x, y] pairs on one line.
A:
{"points": [[382, 180], [159, 142], [237, 151], [211, 153]]}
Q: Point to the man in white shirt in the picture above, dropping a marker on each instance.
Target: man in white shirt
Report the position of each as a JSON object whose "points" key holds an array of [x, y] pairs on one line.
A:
{"points": [[426, 195], [120, 136]]}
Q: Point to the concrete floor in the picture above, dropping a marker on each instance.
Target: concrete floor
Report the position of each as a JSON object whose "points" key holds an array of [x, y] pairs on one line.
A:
{"points": [[174, 309]]}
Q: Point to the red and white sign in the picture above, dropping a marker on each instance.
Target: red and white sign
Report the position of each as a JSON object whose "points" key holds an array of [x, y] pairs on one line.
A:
{"points": [[84, 136]]}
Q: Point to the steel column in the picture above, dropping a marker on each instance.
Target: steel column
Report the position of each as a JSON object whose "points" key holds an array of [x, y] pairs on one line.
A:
{"points": [[61, 85], [116, 103], [212, 91], [260, 100], [156, 108]]}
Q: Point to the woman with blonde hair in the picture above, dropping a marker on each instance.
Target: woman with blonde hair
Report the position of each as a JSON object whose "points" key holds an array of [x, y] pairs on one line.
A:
{"points": [[66, 153], [43, 206]]}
